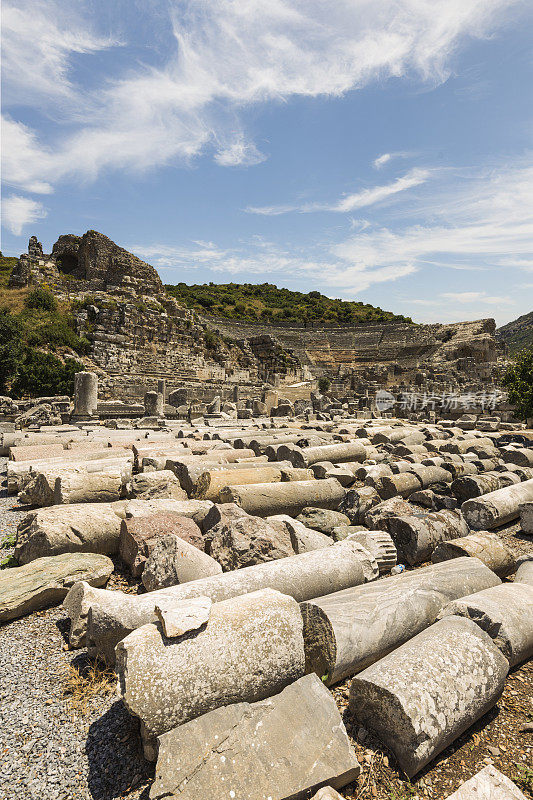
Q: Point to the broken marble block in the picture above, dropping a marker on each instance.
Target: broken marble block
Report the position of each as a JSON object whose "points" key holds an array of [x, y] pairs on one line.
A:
{"points": [[426, 693], [282, 747], [488, 784], [181, 616]]}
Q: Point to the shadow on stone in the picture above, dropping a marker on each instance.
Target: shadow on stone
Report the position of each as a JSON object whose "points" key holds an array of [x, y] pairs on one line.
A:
{"points": [[116, 762]]}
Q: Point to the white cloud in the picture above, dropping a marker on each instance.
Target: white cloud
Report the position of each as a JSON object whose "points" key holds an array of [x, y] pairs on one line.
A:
{"points": [[475, 297], [367, 197], [38, 40], [228, 56], [239, 153], [17, 212], [472, 226], [380, 161]]}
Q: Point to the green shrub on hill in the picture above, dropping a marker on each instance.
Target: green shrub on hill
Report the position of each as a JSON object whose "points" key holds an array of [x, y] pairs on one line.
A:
{"points": [[43, 374], [268, 303]]}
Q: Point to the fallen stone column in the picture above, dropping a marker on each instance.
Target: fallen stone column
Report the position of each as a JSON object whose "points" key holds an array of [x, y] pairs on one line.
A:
{"points": [[87, 527], [417, 535], [337, 453], [347, 631], [522, 457], [505, 613], [356, 503], [114, 614], [209, 484], [524, 572], [403, 484], [422, 696], [265, 756], [266, 499], [430, 475], [251, 648], [188, 472], [497, 508], [46, 581], [195, 509], [469, 486], [488, 547], [93, 487]]}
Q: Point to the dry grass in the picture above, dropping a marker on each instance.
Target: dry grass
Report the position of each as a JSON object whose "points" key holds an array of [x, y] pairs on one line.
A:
{"points": [[83, 683], [13, 299]]}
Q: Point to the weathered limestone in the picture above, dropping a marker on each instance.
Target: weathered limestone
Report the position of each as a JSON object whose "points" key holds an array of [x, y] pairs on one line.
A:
{"points": [[379, 516], [177, 618], [505, 613], [154, 404], [488, 547], [172, 561], [422, 696], [380, 544], [522, 456], [322, 520], [417, 535], [347, 631], [403, 484], [303, 539], [185, 508], [266, 499], [138, 537], [87, 527], [85, 394], [252, 647], [468, 486], [283, 747], [236, 539], [356, 503], [160, 483], [209, 484], [524, 573], [46, 581], [336, 453], [94, 487], [526, 517], [488, 784], [497, 508], [115, 614]]}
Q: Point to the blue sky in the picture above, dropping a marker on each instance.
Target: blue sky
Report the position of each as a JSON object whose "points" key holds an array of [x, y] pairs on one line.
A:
{"points": [[373, 151]]}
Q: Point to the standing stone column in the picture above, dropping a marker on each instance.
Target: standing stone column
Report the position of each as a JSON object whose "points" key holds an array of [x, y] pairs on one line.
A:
{"points": [[162, 388], [153, 404], [85, 394]]}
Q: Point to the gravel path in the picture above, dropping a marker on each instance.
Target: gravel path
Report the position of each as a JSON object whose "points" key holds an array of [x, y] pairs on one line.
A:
{"points": [[50, 748]]}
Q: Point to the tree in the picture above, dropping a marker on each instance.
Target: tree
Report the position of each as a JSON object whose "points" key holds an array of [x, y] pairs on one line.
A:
{"points": [[518, 380], [43, 375], [10, 348], [323, 385]]}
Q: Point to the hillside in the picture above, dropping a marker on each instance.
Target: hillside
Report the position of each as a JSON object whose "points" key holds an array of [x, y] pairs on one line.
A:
{"points": [[518, 333], [267, 303]]}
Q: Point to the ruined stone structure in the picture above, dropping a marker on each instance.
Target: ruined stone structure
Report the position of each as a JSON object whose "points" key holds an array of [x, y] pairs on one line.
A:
{"points": [[140, 335]]}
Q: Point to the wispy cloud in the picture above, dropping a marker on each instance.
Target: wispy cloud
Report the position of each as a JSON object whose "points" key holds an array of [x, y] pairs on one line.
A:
{"points": [[227, 57], [351, 202], [17, 212], [475, 297], [383, 159]]}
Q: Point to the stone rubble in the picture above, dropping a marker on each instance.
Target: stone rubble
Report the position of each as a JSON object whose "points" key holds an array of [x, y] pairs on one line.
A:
{"points": [[259, 548]]}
